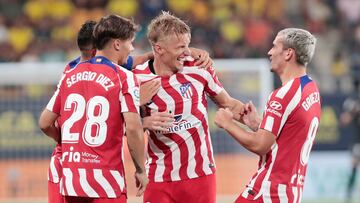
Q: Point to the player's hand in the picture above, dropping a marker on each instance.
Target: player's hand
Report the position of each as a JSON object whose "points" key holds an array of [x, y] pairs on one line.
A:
{"points": [[141, 182], [160, 121], [223, 117], [250, 117], [202, 58], [148, 90]]}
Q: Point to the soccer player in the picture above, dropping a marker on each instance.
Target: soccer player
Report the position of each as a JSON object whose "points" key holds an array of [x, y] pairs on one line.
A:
{"points": [[284, 136], [180, 161], [96, 99], [85, 42]]}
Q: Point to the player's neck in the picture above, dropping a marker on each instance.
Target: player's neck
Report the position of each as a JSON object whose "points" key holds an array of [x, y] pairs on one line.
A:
{"points": [[291, 72], [108, 54], [162, 69]]}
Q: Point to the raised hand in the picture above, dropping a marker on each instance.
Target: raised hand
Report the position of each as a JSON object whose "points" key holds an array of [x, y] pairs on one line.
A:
{"points": [[202, 58], [223, 117], [250, 117], [160, 121], [148, 90]]}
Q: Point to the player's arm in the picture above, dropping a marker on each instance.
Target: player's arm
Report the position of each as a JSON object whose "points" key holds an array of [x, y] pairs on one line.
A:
{"points": [[47, 124], [135, 141], [140, 59], [224, 100], [258, 142]]}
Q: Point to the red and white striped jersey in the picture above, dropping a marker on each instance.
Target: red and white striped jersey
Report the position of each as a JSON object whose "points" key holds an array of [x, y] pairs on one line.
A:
{"points": [[292, 114], [185, 150], [90, 99], [55, 170]]}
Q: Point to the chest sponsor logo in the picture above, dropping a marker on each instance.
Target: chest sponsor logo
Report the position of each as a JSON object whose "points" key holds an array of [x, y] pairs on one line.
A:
{"points": [[186, 90], [274, 107], [75, 156], [180, 124]]}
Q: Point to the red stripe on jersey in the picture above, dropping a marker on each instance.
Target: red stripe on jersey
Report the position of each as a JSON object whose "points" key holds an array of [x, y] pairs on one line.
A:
{"points": [[274, 190], [112, 181], [152, 164]]}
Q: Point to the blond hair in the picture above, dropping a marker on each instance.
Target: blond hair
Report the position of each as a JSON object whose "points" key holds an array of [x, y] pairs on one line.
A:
{"points": [[166, 24]]}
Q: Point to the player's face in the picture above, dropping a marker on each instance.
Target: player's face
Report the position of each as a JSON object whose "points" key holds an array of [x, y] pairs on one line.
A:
{"points": [[175, 50], [126, 47], [277, 55]]}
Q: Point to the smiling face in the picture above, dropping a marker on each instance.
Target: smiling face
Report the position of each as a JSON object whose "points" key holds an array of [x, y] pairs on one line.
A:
{"points": [[278, 55], [173, 49]]}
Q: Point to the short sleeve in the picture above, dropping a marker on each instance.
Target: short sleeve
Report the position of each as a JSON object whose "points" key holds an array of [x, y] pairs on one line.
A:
{"points": [[213, 86], [130, 94]]}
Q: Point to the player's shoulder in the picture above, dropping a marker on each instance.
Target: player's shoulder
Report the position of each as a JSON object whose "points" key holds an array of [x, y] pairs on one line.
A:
{"points": [[190, 67], [142, 68]]}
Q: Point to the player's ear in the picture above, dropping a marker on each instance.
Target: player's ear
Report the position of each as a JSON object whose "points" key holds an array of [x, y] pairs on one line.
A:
{"points": [[117, 44], [290, 53], [158, 48]]}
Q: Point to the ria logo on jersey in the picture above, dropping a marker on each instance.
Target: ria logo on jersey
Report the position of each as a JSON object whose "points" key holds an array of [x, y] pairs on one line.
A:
{"points": [[186, 90], [84, 157]]}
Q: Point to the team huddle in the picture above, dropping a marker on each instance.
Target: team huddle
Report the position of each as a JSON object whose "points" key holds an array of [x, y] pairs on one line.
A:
{"points": [[105, 95]]}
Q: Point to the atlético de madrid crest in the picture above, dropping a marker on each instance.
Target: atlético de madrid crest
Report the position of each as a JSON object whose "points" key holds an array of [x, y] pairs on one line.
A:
{"points": [[186, 90]]}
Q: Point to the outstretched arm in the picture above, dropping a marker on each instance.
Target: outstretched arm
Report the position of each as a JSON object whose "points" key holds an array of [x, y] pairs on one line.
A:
{"points": [[259, 142], [224, 100]]}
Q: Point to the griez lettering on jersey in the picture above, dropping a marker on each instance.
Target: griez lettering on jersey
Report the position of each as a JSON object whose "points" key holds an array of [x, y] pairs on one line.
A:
{"points": [[101, 79], [310, 100]]}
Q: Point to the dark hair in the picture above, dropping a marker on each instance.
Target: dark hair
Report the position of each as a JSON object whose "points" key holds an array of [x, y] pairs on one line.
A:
{"points": [[113, 27], [85, 39]]}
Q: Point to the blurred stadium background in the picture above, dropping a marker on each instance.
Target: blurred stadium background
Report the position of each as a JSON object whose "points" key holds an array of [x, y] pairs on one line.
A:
{"points": [[38, 37]]}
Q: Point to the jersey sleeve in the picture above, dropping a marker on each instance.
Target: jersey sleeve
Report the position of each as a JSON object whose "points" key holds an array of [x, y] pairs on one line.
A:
{"points": [[213, 86], [130, 93], [54, 104]]}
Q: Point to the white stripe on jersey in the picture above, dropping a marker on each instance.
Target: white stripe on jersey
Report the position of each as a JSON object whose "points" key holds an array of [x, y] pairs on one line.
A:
{"points": [[252, 182], [119, 179], [266, 192], [300, 194], [290, 107], [269, 123], [50, 105], [282, 193], [274, 150], [160, 165], [295, 194], [204, 74], [89, 191], [104, 183], [68, 182], [53, 171], [284, 89]]}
